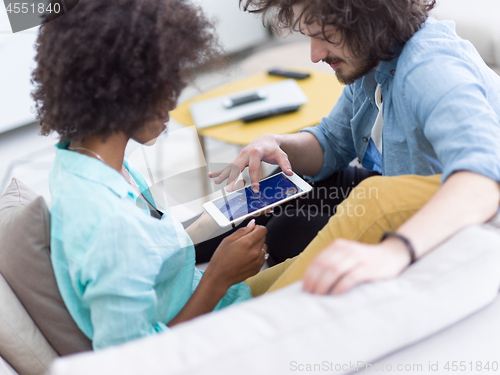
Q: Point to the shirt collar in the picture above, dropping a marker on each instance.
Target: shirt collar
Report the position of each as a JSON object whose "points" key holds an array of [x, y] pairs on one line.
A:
{"points": [[387, 69], [379, 75], [93, 170]]}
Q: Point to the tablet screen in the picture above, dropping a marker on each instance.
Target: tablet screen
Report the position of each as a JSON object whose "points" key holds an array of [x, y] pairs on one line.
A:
{"points": [[243, 202]]}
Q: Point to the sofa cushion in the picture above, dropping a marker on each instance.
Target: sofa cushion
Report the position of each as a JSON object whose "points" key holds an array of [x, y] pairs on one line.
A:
{"points": [[25, 265], [5, 368]]}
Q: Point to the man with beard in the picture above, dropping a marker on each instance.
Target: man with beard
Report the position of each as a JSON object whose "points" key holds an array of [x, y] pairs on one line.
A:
{"points": [[418, 101]]}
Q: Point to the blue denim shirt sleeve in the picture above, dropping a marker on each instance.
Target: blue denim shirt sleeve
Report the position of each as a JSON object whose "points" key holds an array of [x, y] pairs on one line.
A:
{"points": [[449, 99], [334, 134]]}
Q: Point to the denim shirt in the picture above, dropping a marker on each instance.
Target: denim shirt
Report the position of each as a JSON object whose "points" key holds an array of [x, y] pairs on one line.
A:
{"points": [[441, 111], [122, 273]]}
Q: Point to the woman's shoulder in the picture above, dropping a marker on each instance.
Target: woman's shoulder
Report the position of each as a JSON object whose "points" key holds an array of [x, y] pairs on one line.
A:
{"points": [[78, 182], [81, 197]]}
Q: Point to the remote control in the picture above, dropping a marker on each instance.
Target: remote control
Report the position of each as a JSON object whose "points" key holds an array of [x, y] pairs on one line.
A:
{"points": [[246, 99], [270, 113], [288, 74]]}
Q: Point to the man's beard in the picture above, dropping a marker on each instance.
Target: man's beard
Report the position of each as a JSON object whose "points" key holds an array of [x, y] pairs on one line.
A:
{"points": [[359, 69]]}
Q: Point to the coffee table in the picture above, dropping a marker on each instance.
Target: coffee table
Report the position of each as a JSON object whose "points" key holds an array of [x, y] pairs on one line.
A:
{"points": [[322, 90]]}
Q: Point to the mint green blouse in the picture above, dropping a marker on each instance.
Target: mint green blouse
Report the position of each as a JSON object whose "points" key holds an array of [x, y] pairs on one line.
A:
{"points": [[122, 273]]}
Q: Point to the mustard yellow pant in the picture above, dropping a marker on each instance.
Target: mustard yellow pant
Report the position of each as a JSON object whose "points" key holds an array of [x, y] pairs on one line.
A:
{"points": [[378, 204]]}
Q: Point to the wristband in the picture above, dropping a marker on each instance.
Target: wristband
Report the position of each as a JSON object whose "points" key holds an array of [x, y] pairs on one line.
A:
{"points": [[406, 241]]}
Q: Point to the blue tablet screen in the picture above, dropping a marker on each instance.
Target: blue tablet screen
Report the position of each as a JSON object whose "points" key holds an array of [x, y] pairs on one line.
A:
{"points": [[242, 202]]}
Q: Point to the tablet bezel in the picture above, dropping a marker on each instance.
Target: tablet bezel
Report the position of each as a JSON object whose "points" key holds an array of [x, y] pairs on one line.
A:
{"points": [[222, 221]]}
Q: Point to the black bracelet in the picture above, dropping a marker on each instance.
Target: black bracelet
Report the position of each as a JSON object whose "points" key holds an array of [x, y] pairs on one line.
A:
{"points": [[405, 240]]}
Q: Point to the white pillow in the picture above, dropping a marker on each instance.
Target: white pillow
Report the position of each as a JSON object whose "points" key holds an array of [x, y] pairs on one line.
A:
{"points": [[22, 344], [6, 369]]}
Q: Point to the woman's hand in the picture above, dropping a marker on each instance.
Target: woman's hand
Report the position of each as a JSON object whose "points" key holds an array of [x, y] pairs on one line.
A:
{"points": [[345, 264], [239, 256]]}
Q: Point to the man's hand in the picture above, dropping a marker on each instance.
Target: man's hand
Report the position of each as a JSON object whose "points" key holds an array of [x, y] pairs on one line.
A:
{"points": [[265, 148], [345, 264]]}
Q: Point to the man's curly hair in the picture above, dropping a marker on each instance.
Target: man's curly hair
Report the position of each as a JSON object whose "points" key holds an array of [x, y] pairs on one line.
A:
{"points": [[369, 28], [114, 65]]}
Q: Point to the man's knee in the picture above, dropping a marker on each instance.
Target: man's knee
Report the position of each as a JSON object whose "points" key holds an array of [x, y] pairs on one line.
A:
{"points": [[378, 190], [369, 189]]}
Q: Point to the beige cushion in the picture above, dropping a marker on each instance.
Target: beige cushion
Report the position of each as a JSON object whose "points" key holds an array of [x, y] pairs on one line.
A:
{"points": [[25, 265], [22, 344]]}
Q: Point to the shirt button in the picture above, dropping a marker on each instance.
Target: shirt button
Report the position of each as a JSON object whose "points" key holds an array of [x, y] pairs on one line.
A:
{"points": [[365, 139], [393, 72]]}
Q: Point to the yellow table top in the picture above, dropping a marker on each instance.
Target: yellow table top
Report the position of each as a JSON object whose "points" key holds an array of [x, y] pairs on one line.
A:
{"points": [[321, 89]]}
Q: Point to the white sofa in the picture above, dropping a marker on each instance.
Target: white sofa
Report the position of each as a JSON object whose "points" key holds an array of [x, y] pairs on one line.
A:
{"points": [[476, 21], [444, 307], [274, 334]]}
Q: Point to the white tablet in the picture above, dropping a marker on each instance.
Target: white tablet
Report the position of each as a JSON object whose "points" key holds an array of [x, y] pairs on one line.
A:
{"points": [[240, 204]]}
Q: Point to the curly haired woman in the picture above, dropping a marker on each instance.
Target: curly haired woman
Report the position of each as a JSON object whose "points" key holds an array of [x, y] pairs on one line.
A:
{"points": [[109, 71]]}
